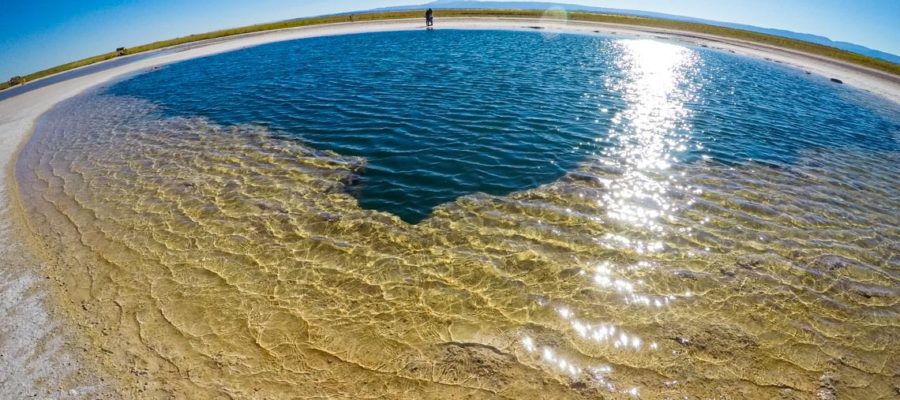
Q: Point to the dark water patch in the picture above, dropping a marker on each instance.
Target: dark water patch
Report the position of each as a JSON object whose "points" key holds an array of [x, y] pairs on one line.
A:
{"points": [[443, 114], [437, 115]]}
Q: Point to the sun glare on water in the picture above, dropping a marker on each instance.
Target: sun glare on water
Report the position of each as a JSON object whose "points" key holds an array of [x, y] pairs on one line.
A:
{"points": [[648, 135], [650, 132], [213, 257]]}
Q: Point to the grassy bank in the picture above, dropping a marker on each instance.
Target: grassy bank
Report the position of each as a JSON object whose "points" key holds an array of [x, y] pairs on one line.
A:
{"points": [[779, 41]]}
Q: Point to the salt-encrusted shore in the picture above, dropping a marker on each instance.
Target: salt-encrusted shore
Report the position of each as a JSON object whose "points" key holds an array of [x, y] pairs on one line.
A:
{"points": [[40, 357]]}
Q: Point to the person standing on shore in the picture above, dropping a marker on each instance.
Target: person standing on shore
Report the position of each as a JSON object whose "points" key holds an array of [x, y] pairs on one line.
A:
{"points": [[429, 18]]}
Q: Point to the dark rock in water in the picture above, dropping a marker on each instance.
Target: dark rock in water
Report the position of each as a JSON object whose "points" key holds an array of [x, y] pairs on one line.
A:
{"points": [[578, 385], [808, 73], [681, 340], [827, 386], [536, 27], [872, 291], [686, 274], [832, 262], [749, 262], [836, 80], [485, 365], [329, 216]]}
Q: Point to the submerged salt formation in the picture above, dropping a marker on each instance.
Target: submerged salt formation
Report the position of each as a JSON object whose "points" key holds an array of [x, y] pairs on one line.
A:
{"points": [[205, 260]]}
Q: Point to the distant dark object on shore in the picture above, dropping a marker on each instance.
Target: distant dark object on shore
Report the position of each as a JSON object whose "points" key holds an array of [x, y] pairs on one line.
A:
{"points": [[16, 80], [573, 8], [836, 80], [121, 51]]}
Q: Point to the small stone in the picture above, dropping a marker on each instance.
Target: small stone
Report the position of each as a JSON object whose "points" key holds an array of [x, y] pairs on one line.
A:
{"points": [[578, 385], [833, 262], [686, 274], [827, 386]]}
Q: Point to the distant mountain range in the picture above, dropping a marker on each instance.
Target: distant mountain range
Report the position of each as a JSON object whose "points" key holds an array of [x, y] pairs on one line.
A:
{"points": [[519, 5]]}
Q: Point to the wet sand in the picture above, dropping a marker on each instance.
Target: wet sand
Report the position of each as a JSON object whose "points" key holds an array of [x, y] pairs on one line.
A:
{"points": [[48, 359]]}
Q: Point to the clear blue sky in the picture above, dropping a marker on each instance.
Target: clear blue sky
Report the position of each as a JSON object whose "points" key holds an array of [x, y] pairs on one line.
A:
{"points": [[38, 34]]}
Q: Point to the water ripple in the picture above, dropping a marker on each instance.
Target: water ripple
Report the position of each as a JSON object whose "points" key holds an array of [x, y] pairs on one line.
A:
{"points": [[682, 250]]}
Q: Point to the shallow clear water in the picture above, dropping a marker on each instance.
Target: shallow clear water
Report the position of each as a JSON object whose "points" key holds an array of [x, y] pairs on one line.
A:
{"points": [[593, 217]]}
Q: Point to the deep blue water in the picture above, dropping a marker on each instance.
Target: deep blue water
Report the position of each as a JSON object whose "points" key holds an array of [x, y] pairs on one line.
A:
{"points": [[445, 113]]}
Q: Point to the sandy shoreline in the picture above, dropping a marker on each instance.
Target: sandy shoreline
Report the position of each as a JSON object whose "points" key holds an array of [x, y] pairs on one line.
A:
{"points": [[37, 347]]}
